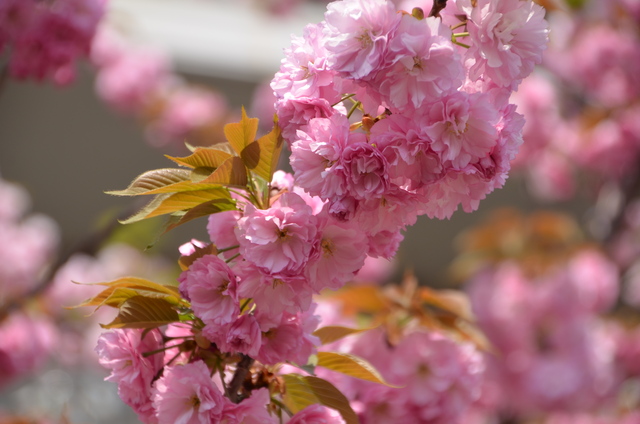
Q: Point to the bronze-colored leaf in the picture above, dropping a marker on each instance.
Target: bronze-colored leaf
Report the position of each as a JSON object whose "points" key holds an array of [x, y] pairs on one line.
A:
{"points": [[144, 312], [231, 173], [302, 391], [332, 333], [241, 134], [261, 156], [350, 365], [186, 261], [183, 201], [202, 157], [149, 181], [205, 209]]}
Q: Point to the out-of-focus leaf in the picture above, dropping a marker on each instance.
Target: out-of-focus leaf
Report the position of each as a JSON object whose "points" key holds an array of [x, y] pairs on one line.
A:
{"points": [[144, 312], [350, 365], [241, 134], [303, 391], [261, 156], [231, 173], [453, 301], [332, 333], [202, 157], [366, 299], [152, 180]]}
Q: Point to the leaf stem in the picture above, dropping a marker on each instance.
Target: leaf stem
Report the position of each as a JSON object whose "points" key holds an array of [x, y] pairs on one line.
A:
{"points": [[353, 108], [346, 97], [244, 305], [162, 349], [232, 258], [226, 249]]}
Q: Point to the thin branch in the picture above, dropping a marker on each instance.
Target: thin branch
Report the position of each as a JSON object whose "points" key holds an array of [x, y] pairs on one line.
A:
{"points": [[238, 378]]}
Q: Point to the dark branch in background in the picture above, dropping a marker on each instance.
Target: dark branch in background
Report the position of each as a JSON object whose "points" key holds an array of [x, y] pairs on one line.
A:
{"points": [[90, 246], [238, 378], [630, 193], [4, 76], [438, 5]]}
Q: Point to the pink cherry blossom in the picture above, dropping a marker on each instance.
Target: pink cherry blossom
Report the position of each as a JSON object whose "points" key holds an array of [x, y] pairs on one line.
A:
{"points": [[278, 240], [243, 335], [186, 394], [186, 109], [507, 39], [342, 250], [304, 71], [315, 156], [290, 339], [131, 82], [357, 33], [25, 345], [211, 287], [425, 64], [462, 128], [252, 410], [121, 351], [317, 414], [274, 295], [295, 113]]}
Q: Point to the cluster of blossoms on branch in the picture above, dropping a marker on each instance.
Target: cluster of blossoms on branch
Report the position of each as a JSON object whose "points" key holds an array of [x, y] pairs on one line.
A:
{"points": [[436, 128], [140, 81], [44, 39], [388, 115], [552, 360], [582, 104]]}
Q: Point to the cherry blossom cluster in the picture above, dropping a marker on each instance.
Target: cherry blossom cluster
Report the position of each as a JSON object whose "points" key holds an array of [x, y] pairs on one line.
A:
{"points": [[390, 115], [582, 106], [253, 298], [27, 245], [43, 39], [554, 359], [140, 81], [438, 378], [435, 130]]}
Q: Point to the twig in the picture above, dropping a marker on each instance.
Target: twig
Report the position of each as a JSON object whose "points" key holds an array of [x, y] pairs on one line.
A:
{"points": [[238, 378]]}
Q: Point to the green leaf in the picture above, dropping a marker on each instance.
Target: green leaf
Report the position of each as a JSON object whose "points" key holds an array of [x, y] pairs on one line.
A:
{"points": [[351, 365], [205, 209], [144, 312], [332, 333], [122, 289], [302, 391], [241, 134], [201, 173], [170, 203], [202, 157], [153, 180], [261, 156], [185, 186], [231, 173]]}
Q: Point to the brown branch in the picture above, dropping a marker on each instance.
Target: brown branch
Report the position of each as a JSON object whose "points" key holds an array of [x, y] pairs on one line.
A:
{"points": [[238, 378]]}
